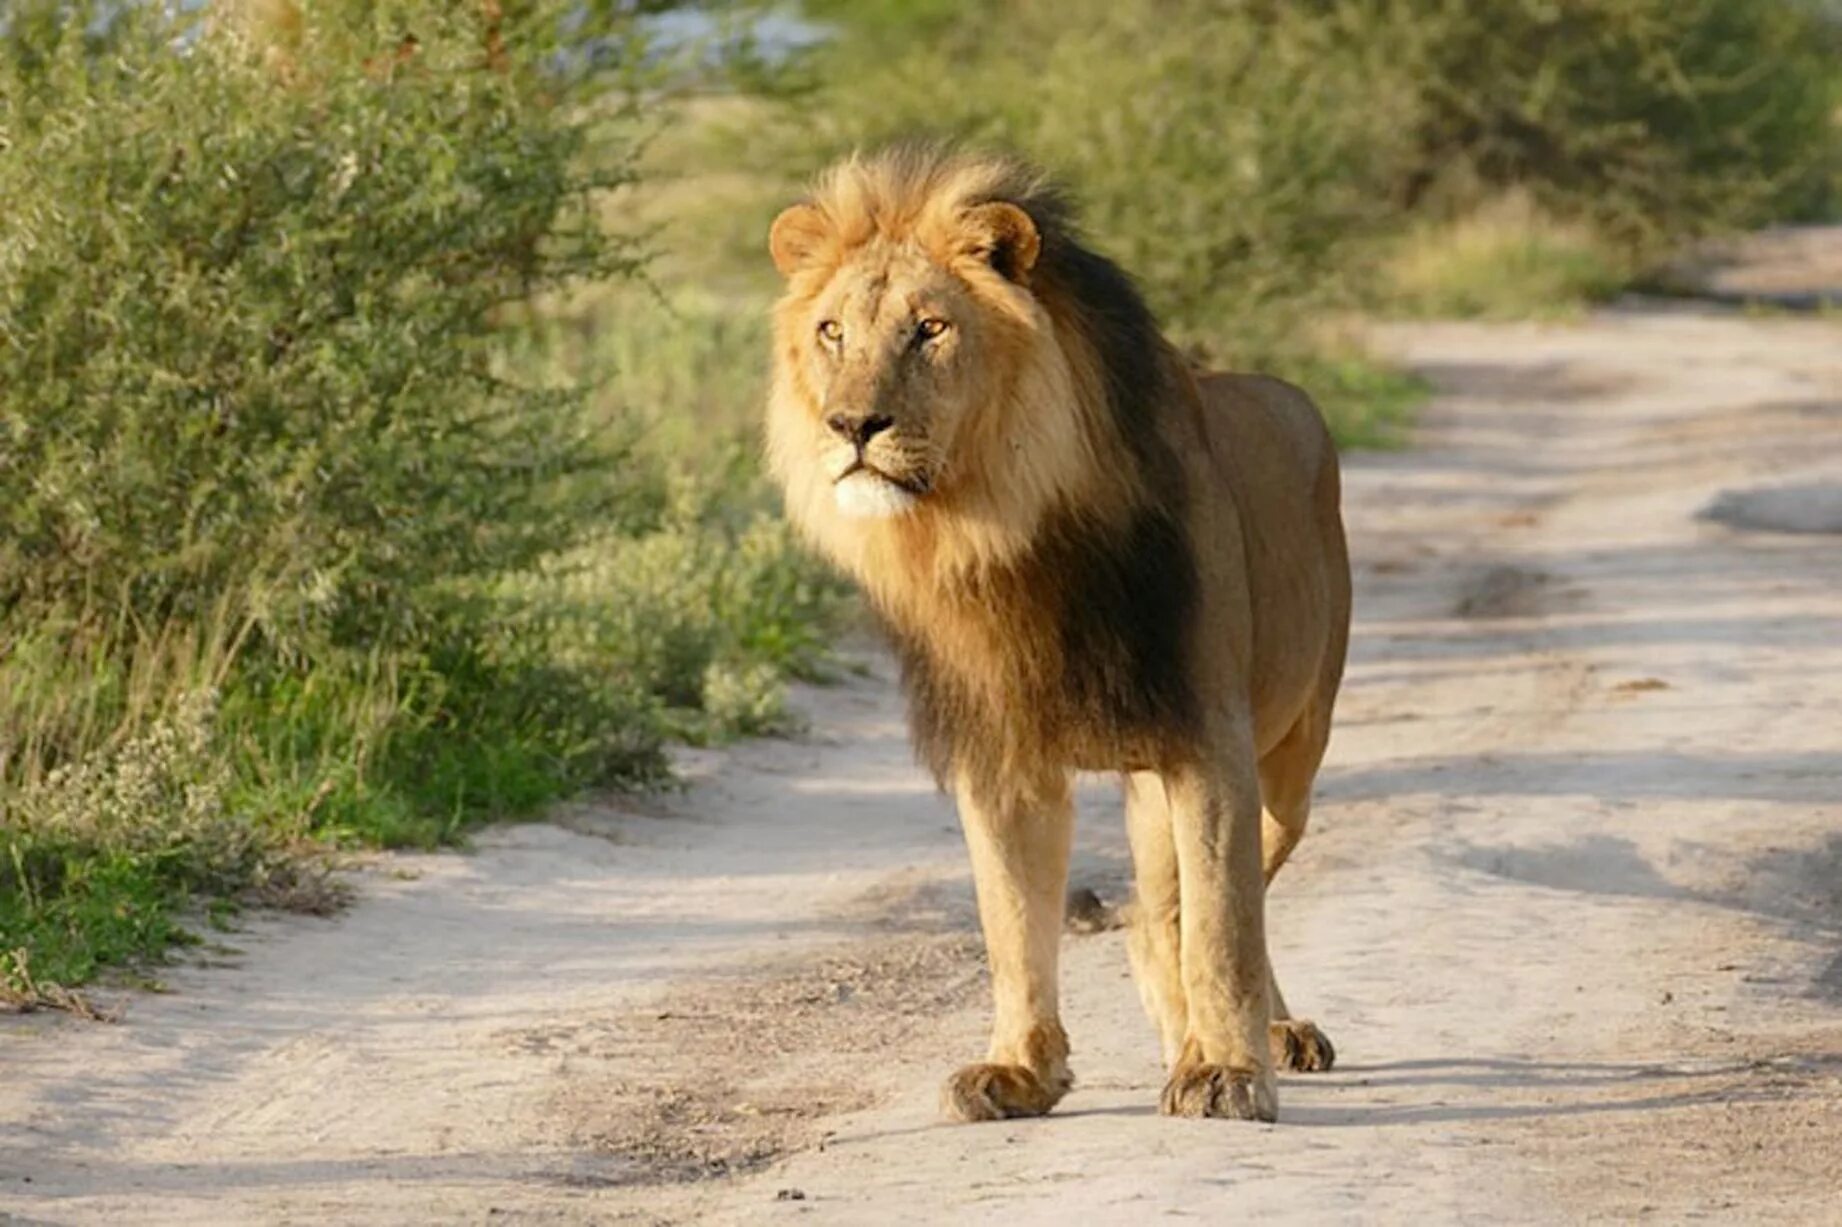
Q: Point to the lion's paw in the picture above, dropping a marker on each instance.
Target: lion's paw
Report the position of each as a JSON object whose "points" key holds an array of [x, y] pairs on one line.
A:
{"points": [[995, 1092], [1297, 1044], [1221, 1092]]}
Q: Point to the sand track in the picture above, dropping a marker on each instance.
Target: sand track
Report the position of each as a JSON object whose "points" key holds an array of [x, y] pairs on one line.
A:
{"points": [[1571, 907]]}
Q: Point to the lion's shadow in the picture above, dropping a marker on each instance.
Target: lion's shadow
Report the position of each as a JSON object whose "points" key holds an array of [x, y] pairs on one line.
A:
{"points": [[1457, 1090]]}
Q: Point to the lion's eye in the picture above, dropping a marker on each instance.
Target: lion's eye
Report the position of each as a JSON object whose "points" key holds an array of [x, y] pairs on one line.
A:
{"points": [[931, 328], [831, 330]]}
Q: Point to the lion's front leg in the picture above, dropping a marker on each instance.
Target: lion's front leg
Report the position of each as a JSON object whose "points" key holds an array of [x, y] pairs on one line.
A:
{"points": [[1225, 1068], [1019, 840]]}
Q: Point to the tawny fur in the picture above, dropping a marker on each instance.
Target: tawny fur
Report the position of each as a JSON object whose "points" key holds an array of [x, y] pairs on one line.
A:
{"points": [[1090, 557]]}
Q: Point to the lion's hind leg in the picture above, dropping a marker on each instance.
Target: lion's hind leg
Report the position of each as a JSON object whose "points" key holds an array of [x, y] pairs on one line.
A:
{"points": [[1153, 938], [1286, 776]]}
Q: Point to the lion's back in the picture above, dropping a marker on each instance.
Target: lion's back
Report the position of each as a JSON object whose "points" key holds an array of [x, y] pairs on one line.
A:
{"points": [[1274, 457], [1275, 439]]}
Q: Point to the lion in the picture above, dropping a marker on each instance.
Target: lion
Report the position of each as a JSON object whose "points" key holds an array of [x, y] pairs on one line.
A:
{"points": [[1089, 556]]}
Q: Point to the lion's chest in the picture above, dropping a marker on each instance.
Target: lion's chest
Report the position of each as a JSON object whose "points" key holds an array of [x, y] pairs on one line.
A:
{"points": [[1076, 657]]}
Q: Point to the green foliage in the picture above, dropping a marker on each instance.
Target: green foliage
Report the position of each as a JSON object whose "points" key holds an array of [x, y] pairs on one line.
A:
{"points": [[1227, 163], [1252, 161], [288, 419], [1652, 119], [247, 339], [1369, 404], [86, 878], [1239, 165]]}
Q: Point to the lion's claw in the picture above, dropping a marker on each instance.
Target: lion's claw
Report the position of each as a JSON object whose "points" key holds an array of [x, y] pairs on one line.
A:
{"points": [[995, 1092], [1220, 1092], [1298, 1045]]}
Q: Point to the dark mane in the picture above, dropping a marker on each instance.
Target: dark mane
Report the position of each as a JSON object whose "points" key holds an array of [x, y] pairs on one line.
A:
{"points": [[1100, 612], [1100, 620], [1097, 300]]}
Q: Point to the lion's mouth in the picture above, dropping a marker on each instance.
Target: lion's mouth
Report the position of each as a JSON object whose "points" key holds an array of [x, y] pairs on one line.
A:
{"points": [[914, 485], [866, 492]]}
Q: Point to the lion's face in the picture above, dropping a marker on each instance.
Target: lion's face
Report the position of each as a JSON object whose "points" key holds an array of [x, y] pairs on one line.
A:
{"points": [[929, 407], [896, 351], [899, 361]]}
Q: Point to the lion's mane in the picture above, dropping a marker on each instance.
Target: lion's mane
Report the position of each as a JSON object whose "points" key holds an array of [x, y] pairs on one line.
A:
{"points": [[1044, 629]]}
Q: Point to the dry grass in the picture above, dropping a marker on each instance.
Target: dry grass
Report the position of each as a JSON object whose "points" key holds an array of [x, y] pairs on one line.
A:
{"points": [[21, 993], [1506, 259]]}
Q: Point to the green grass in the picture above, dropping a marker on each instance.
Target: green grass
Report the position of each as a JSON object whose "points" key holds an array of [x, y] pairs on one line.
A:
{"points": [[1367, 403], [1508, 259], [99, 858]]}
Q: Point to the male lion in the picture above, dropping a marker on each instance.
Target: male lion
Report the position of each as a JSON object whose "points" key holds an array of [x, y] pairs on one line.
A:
{"points": [[1089, 557]]}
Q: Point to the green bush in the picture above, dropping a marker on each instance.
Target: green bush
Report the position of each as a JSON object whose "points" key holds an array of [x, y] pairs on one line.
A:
{"points": [[88, 879], [1231, 165], [1251, 161], [286, 420], [249, 338], [1654, 119], [1507, 259]]}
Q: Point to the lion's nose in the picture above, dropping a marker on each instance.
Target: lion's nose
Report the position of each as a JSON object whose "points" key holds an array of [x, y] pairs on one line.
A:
{"points": [[859, 428]]}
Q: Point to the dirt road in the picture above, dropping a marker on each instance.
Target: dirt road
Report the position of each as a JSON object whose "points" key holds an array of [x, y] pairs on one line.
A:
{"points": [[1571, 907]]}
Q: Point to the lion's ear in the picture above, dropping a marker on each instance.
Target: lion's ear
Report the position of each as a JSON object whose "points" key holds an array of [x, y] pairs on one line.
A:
{"points": [[796, 237], [1005, 235]]}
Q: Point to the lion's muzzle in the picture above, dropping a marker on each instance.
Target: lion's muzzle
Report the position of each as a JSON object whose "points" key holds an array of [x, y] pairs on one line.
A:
{"points": [[858, 429]]}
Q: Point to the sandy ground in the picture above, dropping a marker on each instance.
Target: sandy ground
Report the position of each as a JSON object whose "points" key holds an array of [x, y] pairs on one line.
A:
{"points": [[1571, 907], [1798, 267]]}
